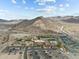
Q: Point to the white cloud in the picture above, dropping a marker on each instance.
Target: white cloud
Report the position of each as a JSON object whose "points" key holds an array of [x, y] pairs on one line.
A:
{"points": [[24, 2], [67, 5], [1, 10], [62, 9], [48, 10], [3, 13], [10, 15], [40, 3], [43, 2], [26, 8], [14, 1], [61, 5]]}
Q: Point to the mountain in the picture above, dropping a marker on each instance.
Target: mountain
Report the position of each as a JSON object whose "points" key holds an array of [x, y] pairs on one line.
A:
{"points": [[35, 26], [44, 25], [2, 20], [47, 25], [5, 25], [72, 19]]}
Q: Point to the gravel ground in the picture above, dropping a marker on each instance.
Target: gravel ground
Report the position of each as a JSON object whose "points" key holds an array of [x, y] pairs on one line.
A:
{"points": [[12, 56]]}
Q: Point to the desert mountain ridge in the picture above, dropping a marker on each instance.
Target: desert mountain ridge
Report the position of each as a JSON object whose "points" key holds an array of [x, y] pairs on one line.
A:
{"points": [[69, 19], [44, 24]]}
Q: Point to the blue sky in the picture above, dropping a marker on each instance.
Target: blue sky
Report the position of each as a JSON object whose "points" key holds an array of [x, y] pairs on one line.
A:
{"points": [[22, 9]]}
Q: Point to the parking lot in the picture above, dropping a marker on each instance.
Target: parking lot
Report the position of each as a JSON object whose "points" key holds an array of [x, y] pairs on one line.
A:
{"points": [[45, 54]]}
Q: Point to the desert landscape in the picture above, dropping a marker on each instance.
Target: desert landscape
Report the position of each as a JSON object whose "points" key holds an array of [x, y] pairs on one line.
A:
{"points": [[39, 29], [40, 34]]}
